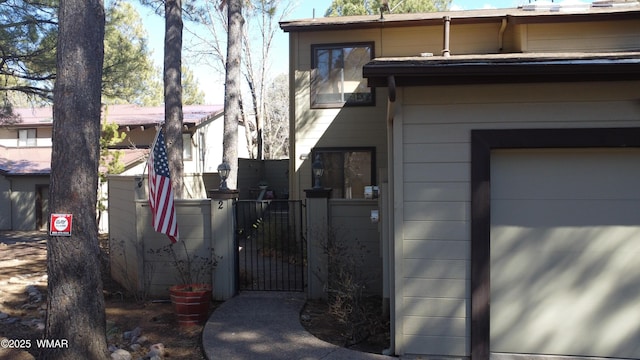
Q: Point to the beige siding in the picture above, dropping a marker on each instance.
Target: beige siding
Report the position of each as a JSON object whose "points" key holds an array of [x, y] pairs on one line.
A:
{"points": [[432, 163], [597, 36]]}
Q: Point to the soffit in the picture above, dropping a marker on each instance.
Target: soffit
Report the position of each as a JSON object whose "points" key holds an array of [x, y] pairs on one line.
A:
{"points": [[503, 68]]}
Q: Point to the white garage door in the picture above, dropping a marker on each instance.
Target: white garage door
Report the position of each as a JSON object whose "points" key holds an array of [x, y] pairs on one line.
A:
{"points": [[565, 252]]}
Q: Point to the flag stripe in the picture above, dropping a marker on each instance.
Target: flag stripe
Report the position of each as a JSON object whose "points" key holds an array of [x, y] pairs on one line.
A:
{"points": [[161, 196]]}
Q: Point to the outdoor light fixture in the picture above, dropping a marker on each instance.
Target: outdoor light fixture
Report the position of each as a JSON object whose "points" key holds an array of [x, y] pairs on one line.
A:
{"points": [[318, 170], [223, 170]]}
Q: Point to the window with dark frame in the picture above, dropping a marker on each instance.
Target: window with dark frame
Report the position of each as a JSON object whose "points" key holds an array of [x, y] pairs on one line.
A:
{"points": [[347, 170], [336, 75]]}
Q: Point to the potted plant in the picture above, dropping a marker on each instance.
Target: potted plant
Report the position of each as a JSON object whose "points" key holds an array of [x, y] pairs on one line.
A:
{"points": [[191, 297]]}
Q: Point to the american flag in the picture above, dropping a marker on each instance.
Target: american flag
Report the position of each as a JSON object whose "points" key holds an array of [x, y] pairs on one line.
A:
{"points": [[161, 195]]}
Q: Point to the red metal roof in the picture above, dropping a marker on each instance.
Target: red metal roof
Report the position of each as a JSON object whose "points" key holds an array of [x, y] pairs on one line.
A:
{"points": [[37, 160], [25, 160], [125, 115]]}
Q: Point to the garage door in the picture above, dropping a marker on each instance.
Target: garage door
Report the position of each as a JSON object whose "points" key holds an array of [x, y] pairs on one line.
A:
{"points": [[565, 252]]}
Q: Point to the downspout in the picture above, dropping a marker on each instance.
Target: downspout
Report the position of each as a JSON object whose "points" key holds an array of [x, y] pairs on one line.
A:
{"points": [[503, 27], [391, 86], [447, 33]]}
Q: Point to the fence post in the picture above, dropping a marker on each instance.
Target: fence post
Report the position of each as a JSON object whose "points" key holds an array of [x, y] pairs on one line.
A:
{"points": [[317, 237], [223, 243]]}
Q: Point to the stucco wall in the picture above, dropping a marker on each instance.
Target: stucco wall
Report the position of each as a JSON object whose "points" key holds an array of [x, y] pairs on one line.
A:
{"points": [[350, 224]]}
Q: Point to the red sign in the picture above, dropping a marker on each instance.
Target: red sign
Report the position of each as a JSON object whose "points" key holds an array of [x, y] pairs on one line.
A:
{"points": [[60, 224]]}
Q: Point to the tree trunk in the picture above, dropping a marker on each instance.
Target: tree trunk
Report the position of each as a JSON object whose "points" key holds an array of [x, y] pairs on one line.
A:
{"points": [[75, 300], [173, 92], [232, 90]]}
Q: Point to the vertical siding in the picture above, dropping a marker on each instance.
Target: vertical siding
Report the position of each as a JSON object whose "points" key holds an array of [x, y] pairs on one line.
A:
{"points": [[433, 163]]}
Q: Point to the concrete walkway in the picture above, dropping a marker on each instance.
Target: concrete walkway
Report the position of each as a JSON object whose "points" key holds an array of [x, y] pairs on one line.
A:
{"points": [[266, 325]]}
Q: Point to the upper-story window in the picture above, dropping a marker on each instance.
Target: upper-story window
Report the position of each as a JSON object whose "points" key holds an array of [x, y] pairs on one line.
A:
{"points": [[336, 76], [187, 147], [27, 137]]}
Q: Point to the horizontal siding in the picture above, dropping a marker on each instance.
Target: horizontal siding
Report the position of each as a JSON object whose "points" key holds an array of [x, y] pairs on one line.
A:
{"points": [[437, 345], [436, 153], [436, 307], [437, 288], [436, 250], [598, 36], [425, 191], [436, 230], [436, 210], [474, 39], [444, 172], [434, 326], [435, 172], [410, 41], [437, 269]]}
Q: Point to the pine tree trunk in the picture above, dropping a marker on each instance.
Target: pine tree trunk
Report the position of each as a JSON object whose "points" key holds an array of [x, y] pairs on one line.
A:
{"points": [[75, 300], [173, 92], [232, 90]]}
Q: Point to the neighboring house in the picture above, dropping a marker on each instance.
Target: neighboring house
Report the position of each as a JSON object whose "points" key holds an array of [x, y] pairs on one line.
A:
{"points": [[506, 144], [25, 155]]}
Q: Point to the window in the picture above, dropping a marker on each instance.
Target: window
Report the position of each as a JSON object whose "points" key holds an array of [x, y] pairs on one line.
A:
{"points": [[187, 148], [347, 170], [27, 137], [336, 76]]}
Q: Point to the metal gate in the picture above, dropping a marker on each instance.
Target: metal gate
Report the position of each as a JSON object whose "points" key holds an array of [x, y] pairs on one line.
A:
{"points": [[271, 248]]}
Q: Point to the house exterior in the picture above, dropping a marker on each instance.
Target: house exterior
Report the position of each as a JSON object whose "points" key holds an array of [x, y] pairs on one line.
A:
{"points": [[25, 155], [506, 146]]}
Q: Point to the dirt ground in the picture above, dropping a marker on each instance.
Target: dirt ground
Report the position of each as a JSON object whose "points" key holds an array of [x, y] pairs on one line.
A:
{"points": [[23, 283]]}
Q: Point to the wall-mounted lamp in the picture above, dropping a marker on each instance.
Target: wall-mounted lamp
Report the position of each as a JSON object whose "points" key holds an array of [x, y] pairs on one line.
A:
{"points": [[318, 170], [223, 170]]}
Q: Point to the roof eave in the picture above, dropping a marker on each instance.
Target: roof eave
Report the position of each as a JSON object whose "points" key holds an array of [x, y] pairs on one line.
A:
{"points": [[429, 73], [514, 16]]}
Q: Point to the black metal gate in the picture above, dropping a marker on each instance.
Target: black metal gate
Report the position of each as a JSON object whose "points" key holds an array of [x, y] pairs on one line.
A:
{"points": [[271, 248]]}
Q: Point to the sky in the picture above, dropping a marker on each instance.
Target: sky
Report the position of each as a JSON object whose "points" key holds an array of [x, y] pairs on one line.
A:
{"points": [[213, 84]]}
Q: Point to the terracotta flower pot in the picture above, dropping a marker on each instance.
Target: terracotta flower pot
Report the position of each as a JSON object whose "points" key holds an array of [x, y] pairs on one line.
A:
{"points": [[191, 303]]}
